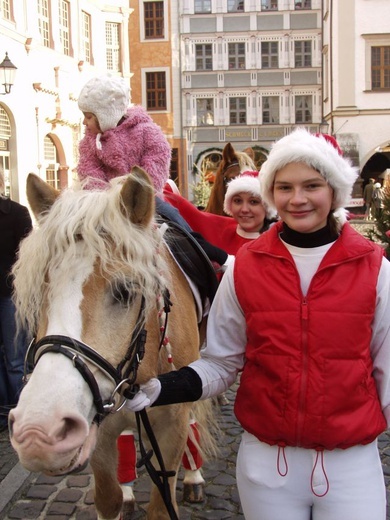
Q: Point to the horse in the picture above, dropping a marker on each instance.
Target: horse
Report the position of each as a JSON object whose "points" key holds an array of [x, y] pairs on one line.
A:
{"points": [[232, 164], [96, 283]]}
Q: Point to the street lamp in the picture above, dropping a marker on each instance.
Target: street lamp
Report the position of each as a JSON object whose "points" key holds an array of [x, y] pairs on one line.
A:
{"points": [[7, 74], [324, 126]]}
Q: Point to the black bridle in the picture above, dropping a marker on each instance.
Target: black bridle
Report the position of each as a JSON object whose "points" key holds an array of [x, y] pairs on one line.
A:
{"points": [[231, 165], [123, 375]]}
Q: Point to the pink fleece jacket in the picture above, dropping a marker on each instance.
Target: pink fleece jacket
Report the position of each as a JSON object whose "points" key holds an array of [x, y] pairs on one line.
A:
{"points": [[137, 141]]}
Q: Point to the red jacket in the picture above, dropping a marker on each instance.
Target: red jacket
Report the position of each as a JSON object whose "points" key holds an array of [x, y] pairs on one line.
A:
{"points": [[307, 380]]}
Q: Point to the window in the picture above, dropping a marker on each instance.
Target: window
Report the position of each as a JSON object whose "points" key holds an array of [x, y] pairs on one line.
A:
{"points": [[86, 35], [202, 6], [154, 20], [205, 111], [64, 23], [380, 68], [303, 109], [44, 22], [233, 6], [237, 110], [174, 168], [302, 54], [269, 55], [204, 56], [51, 162], [156, 91], [269, 5], [302, 4], [270, 110], [236, 55], [5, 9], [112, 46]]}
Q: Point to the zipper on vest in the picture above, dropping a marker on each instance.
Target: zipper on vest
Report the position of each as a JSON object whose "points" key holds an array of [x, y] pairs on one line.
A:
{"points": [[305, 359]]}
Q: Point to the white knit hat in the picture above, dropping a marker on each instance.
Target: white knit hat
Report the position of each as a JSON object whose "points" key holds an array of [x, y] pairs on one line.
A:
{"points": [[247, 182], [320, 152], [107, 97]]}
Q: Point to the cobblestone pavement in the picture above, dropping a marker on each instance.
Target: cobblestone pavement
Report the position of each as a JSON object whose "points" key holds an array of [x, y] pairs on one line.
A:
{"points": [[25, 495]]}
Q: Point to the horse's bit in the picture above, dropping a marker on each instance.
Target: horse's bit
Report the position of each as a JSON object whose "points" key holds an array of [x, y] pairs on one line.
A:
{"points": [[124, 375]]}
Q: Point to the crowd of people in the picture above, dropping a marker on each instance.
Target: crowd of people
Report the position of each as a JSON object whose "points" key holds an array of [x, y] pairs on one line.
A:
{"points": [[301, 314]]}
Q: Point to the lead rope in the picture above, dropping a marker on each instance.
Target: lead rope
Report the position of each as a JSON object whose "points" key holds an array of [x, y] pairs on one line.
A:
{"points": [[160, 478]]}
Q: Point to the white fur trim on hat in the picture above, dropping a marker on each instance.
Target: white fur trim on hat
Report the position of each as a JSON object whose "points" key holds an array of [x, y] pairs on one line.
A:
{"points": [[107, 97], [318, 153], [244, 183]]}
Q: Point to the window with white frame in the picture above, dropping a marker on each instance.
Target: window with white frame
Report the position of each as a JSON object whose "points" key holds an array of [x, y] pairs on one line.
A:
{"points": [[44, 22], [86, 36], [156, 91], [237, 110], [51, 163], [6, 9], [236, 55], [303, 109], [269, 55], [113, 46], [153, 20], [380, 67], [205, 111], [203, 56], [234, 6], [303, 53], [270, 110], [269, 5], [302, 4], [202, 6], [64, 23]]}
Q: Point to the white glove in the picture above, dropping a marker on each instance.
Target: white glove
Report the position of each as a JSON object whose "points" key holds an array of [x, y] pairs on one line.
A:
{"points": [[145, 397]]}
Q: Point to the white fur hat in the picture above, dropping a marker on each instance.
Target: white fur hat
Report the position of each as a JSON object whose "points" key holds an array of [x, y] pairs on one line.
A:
{"points": [[107, 97], [247, 182], [318, 151]]}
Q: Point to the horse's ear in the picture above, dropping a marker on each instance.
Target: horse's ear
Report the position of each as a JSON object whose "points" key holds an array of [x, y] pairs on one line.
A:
{"points": [[228, 153], [40, 195], [137, 196]]}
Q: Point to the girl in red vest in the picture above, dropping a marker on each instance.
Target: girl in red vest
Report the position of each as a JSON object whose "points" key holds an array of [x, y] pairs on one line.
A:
{"points": [[304, 314]]}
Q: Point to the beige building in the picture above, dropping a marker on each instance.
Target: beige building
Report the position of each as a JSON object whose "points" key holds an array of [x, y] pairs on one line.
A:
{"points": [[356, 82], [56, 45]]}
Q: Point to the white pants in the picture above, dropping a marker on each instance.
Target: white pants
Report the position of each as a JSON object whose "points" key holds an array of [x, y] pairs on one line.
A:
{"points": [[351, 482]]}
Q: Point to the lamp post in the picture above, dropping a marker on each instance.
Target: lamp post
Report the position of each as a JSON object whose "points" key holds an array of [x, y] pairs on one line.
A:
{"points": [[324, 126], [7, 74]]}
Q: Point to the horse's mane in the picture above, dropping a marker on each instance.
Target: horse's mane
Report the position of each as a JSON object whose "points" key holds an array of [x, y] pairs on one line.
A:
{"points": [[245, 162], [125, 251]]}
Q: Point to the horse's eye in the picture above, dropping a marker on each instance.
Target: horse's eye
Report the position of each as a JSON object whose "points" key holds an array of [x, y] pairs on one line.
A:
{"points": [[123, 295]]}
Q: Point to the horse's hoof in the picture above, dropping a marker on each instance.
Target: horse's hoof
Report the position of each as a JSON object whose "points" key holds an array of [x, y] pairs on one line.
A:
{"points": [[127, 510], [222, 399], [193, 493]]}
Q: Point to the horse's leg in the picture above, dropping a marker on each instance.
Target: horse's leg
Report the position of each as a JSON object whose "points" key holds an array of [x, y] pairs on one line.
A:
{"points": [[192, 461], [127, 458], [170, 424], [108, 493]]}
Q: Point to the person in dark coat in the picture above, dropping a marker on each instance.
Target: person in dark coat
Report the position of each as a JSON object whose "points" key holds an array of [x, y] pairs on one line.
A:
{"points": [[15, 224]]}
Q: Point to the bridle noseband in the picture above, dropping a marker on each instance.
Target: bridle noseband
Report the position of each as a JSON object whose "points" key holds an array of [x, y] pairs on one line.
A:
{"points": [[123, 376]]}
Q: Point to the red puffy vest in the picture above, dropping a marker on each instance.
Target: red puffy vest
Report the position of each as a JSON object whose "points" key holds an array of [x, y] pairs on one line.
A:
{"points": [[307, 380]]}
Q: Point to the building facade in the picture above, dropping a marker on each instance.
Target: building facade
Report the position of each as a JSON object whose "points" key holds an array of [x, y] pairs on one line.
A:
{"points": [[56, 45], [356, 82], [251, 71]]}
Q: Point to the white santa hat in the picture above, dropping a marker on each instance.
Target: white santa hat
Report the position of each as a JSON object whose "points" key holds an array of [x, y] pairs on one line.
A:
{"points": [[107, 97], [320, 152], [247, 182]]}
